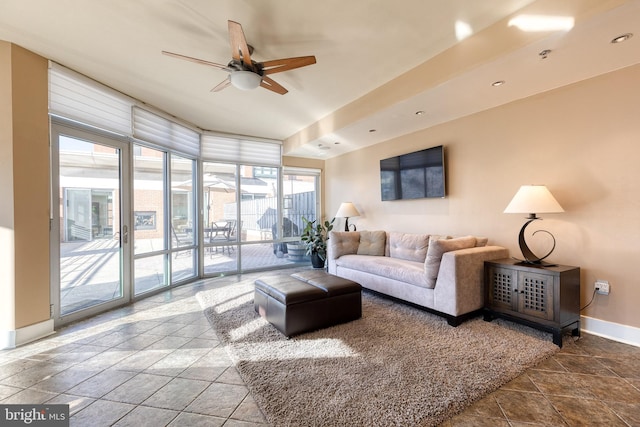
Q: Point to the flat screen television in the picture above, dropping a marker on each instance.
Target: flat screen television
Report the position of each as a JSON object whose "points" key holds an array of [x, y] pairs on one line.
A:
{"points": [[414, 175]]}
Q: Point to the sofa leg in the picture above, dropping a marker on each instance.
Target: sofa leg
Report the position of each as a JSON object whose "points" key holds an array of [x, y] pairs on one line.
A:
{"points": [[454, 321]]}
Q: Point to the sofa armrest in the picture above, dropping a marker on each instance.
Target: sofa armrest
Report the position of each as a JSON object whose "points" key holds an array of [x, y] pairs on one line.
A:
{"points": [[341, 243], [460, 285]]}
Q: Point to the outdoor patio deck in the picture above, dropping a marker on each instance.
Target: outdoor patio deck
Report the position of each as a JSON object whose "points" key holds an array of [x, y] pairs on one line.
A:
{"points": [[89, 271]]}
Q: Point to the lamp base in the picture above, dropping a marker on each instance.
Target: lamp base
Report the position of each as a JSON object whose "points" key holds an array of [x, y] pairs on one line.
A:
{"points": [[529, 257], [534, 263], [346, 225]]}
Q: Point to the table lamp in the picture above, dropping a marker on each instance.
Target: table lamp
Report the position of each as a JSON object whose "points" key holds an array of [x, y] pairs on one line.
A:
{"points": [[347, 210], [533, 199]]}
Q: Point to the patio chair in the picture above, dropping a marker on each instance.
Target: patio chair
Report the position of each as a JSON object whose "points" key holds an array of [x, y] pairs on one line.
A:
{"points": [[223, 231], [179, 243]]}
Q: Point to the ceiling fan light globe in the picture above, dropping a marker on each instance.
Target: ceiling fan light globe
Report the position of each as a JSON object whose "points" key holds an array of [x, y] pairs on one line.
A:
{"points": [[245, 80]]}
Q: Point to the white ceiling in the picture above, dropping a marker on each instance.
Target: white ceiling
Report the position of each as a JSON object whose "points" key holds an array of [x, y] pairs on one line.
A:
{"points": [[360, 45]]}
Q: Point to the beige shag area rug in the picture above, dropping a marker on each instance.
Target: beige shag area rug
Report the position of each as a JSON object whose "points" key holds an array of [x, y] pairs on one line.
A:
{"points": [[396, 366]]}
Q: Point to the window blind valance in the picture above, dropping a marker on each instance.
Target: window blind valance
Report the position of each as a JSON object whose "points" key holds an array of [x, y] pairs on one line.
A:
{"points": [[292, 170], [158, 130], [241, 150], [79, 98], [76, 97]]}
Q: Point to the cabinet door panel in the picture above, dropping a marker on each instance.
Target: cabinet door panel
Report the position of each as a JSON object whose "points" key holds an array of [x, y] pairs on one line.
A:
{"points": [[502, 292], [536, 295]]}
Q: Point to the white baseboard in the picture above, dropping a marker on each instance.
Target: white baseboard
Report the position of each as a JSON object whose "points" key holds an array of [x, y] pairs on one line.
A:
{"points": [[21, 336], [7, 340], [613, 331]]}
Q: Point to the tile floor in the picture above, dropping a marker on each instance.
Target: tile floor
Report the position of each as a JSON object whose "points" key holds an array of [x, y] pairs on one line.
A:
{"points": [[592, 381], [157, 362]]}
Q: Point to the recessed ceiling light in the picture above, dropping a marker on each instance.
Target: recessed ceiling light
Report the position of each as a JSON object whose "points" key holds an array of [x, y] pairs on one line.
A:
{"points": [[622, 38], [337, 143], [498, 83], [323, 147], [463, 30], [536, 23], [372, 130], [544, 53], [420, 113]]}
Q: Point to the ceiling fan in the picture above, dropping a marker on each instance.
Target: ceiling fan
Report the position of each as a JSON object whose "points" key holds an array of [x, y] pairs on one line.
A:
{"points": [[245, 73]]}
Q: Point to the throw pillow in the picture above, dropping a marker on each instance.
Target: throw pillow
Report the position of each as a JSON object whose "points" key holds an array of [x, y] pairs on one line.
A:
{"points": [[372, 243], [343, 243], [412, 247], [437, 248]]}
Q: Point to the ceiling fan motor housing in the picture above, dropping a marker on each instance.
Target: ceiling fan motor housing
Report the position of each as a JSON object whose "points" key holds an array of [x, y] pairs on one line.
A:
{"points": [[236, 65]]}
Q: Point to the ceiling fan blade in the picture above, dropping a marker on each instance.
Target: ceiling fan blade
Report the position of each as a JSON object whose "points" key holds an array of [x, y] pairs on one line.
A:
{"points": [[226, 82], [239, 47], [279, 65], [269, 83], [196, 60]]}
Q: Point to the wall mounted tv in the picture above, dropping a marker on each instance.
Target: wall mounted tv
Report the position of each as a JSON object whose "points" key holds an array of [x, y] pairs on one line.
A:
{"points": [[414, 175]]}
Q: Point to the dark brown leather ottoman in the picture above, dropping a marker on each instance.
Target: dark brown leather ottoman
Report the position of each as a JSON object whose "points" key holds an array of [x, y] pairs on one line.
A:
{"points": [[307, 301]]}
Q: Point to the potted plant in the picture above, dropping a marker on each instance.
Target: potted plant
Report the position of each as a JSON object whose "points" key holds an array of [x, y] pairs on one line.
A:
{"points": [[315, 236]]}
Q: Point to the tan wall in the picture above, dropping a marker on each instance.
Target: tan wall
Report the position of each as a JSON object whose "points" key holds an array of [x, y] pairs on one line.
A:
{"points": [[299, 162], [30, 153], [582, 141], [7, 314]]}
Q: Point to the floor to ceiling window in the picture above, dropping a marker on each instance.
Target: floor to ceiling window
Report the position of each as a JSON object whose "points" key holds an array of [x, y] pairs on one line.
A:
{"points": [[300, 189], [259, 213], [165, 232], [149, 238], [250, 212], [183, 219], [146, 202], [301, 199], [220, 224]]}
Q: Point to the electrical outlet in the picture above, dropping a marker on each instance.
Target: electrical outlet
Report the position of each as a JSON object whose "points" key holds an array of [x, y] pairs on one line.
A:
{"points": [[602, 287]]}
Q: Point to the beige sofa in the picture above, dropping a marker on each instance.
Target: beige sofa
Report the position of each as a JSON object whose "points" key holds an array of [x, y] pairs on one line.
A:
{"points": [[441, 274]]}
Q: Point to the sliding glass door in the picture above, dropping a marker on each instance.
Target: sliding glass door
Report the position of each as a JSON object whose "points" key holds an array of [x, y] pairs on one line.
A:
{"points": [[89, 227]]}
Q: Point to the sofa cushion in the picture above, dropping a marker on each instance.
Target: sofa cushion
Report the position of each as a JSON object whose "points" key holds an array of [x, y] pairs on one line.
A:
{"points": [[392, 268], [481, 242], [411, 247], [437, 248], [372, 243]]}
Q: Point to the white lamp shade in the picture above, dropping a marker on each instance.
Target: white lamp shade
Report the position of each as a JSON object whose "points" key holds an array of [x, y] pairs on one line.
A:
{"points": [[533, 199], [245, 80], [347, 210]]}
